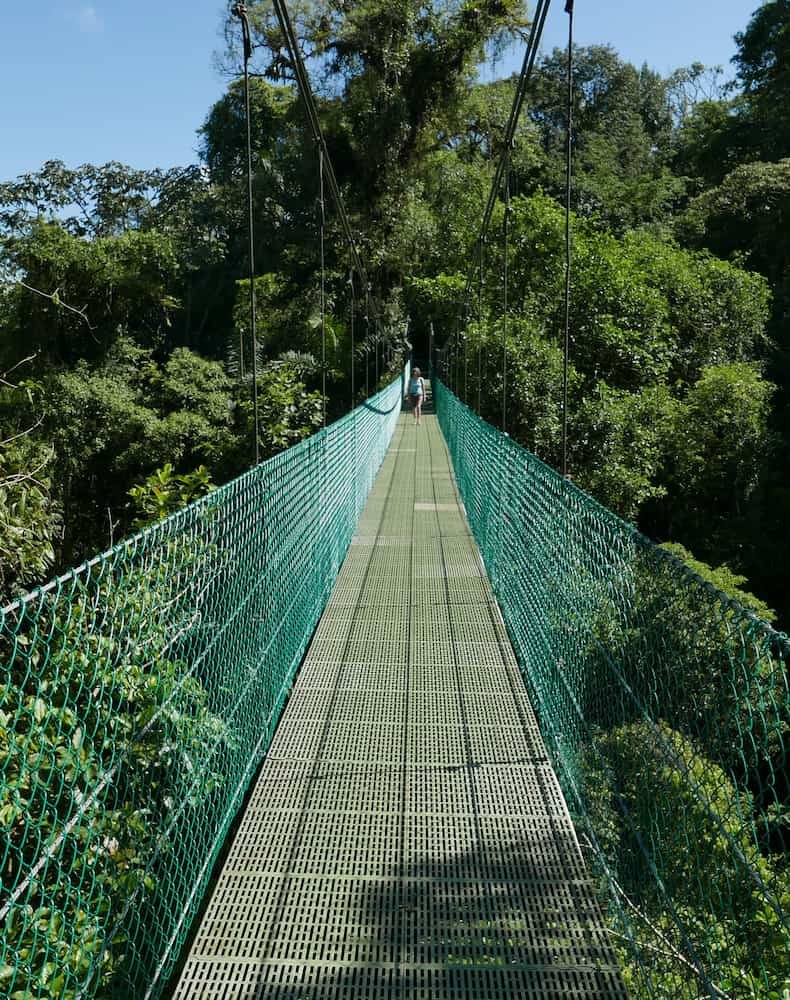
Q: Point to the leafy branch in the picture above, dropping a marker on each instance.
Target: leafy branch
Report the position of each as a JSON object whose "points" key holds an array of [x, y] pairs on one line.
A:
{"points": [[55, 299]]}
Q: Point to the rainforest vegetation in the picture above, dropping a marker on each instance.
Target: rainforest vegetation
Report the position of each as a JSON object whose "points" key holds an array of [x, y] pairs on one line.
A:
{"points": [[126, 371], [124, 335]]}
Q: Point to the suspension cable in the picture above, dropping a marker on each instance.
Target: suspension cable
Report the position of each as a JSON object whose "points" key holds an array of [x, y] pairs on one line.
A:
{"points": [[323, 282], [353, 346], [240, 11], [568, 177], [506, 240], [456, 354], [480, 326], [530, 54], [466, 368], [376, 348], [367, 354], [306, 92]]}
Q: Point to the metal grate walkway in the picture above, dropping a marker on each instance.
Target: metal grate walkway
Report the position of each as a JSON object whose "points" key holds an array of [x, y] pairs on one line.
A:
{"points": [[406, 836]]}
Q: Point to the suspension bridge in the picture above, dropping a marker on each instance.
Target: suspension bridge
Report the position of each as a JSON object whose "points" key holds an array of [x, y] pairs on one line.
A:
{"points": [[406, 836], [558, 771], [399, 713]]}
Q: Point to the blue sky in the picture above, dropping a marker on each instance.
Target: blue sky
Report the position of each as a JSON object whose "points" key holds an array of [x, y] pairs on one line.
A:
{"points": [[665, 34], [132, 80]]}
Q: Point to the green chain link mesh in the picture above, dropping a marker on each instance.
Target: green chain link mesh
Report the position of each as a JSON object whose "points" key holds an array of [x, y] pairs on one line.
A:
{"points": [[138, 694], [665, 708]]}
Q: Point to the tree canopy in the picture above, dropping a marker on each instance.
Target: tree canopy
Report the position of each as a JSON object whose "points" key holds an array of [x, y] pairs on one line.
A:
{"points": [[126, 350], [120, 284]]}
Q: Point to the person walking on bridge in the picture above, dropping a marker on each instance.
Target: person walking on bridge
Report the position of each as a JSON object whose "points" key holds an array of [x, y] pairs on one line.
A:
{"points": [[416, 393]]}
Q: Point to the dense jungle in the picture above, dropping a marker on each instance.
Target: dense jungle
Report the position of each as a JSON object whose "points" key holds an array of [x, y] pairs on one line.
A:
{"points": [[126, 386], [124, 332]]}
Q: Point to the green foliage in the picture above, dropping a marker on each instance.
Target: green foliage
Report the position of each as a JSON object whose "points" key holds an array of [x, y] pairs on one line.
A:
{"points": [[622, 132], [224, 133], [90, 201], [643, 310], [676, 625], [285, 183], [113, 284], [668, 799], [668, 413], [408, 231], [276, 323], [287, 412], [763, 62], [738, 150], [723, 579], [289, 334], [190, 383], [29, 518], [712, 141], [433, 300], [618, 447], [95, 736], [748, 214], [690, 87], [164, 492], [478, 134], [534, 381], [716, 449], [151, 256], [396, 64], [116, 422]]}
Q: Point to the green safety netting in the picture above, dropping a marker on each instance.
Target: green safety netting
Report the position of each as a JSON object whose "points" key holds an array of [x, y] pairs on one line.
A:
{"points": [[138, 694], [664, 706]]}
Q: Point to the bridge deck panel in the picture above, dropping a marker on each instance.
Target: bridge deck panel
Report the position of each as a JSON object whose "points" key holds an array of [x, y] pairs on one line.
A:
{"points": [[406, 836]]}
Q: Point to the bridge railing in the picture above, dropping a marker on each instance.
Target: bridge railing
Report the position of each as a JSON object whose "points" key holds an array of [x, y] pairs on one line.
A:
{"points": [[138, 694], [665, 708]]}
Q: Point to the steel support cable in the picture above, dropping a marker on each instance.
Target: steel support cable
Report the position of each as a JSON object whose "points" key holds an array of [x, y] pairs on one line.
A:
{"points": [[453, 358], [306, 92], [466, 363], [480, 322], [353, 345], [453, 345], [568, 178], [367, 354], [533, 45], [376, 348], [322, 207], [530, 54], [462, 319], [506, 241], [461, 359], [240, 11]]}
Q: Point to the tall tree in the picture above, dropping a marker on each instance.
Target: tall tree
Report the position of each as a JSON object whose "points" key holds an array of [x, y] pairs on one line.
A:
{"points": [[754, 124], [398, 65], [622, 136], [763, 64]]}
